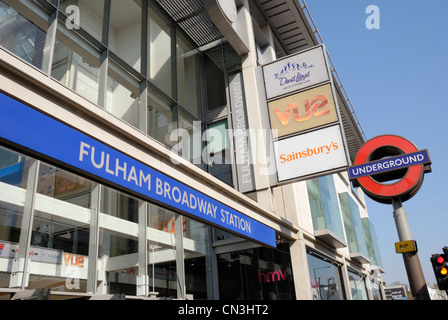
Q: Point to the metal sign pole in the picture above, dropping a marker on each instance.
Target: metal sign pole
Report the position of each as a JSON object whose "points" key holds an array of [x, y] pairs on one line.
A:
{"points": [[411, 261]]}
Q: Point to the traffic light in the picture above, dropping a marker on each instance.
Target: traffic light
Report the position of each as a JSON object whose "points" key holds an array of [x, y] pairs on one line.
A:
{"points": [[440, 266]]}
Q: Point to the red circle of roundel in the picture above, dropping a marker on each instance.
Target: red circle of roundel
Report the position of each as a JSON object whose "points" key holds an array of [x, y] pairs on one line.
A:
{"points": [[407, 184]]}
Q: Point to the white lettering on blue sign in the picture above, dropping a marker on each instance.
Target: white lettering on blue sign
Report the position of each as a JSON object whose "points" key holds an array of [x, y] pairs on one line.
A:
{"points": [[120, 170], [389, 164], [73, 149]]}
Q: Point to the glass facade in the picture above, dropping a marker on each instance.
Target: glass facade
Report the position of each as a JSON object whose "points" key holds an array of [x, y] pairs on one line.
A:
{"points": [[23, 34], [372, 243], [324, 205], [89, 238], [357, 285], [353, 225], [325, 275], [256, 274], [129, 58], [62, 231]]}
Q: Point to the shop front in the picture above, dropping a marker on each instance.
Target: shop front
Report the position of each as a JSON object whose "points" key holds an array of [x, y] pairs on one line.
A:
{"points": [[81, 217]]}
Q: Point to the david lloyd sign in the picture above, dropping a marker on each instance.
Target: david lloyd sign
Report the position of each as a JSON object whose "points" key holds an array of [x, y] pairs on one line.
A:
{"points": [[31, 130], [295, 72]]}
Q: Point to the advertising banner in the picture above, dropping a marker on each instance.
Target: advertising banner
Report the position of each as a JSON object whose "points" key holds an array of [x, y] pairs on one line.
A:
{"points": [[23, 127], [295, 72], [302, 111], [310, 153]]}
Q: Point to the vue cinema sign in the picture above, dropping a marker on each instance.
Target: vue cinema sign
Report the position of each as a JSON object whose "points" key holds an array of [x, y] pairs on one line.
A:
{"points": [[302, 111]]}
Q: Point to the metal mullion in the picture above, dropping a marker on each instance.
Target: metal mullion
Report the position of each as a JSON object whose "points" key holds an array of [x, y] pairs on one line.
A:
{"points": [[104, 57], [144, 39], [28, 217], [50, 41], [142, 243], [94, 232], [180, 257]]}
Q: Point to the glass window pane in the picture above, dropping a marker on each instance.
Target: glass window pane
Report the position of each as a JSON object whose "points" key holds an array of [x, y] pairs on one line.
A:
{"points": [[188, 83], [125, 31], [118, 204], [353, 225], [63, 185], [256, 274], [357, 286], [159, 52], [118, 263], [161, 120], [76, 64], [220, 161], [325, 279], [324, 205], [162, 252], [214, 79], [22, 36], [91, 14], [13, 184], [123, 95], [190, 129], [118, 247], [197, 258], [60, 234]]}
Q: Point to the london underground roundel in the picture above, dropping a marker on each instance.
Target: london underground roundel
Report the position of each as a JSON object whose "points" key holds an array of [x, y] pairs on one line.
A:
{"points": [[389, 167]]}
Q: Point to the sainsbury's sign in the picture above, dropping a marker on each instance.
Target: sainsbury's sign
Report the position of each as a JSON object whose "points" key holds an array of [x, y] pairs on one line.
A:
{"points": [[315, 152], [30, 129], [295, 72]]}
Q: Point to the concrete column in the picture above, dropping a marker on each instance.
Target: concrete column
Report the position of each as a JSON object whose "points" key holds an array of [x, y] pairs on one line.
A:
{"points": [[301, 275]]}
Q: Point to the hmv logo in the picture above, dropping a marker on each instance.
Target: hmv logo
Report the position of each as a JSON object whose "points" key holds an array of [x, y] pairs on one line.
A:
{"points": [[271, 276]]}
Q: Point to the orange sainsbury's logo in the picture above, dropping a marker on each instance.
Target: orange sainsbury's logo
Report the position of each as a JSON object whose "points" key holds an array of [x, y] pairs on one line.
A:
{"points": [[309, 152]]}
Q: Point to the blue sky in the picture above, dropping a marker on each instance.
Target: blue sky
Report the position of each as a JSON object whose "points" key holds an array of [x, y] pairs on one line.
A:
{"points": [[396, 79]]}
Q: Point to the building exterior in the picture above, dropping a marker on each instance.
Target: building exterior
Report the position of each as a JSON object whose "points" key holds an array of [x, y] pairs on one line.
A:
{"points": [[126, 167]]}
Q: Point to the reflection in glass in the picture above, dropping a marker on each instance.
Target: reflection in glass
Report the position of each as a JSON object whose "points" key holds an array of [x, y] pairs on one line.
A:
{"points": [[161, 120], [118, 263], [91, 15], [220, 161], [188, 77], [357, 285], [60, 231], [197, 246], [125, 31], [159, 52], [76, 64], [21, 36], [256, 274], [191, 138], [13, 184], [119, 205], [162, 251], [123, 95], [324, 205], [353, 225], [63, 185], [325, 279], [214, 79]]}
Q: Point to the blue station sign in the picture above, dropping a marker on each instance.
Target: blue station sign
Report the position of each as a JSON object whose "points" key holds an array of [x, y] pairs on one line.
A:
{"points": [[389, 164], [53, 140]]}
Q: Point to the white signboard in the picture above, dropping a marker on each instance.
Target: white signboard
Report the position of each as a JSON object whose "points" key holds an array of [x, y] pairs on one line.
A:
{"points": [[310, 153], [295, 72]]}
